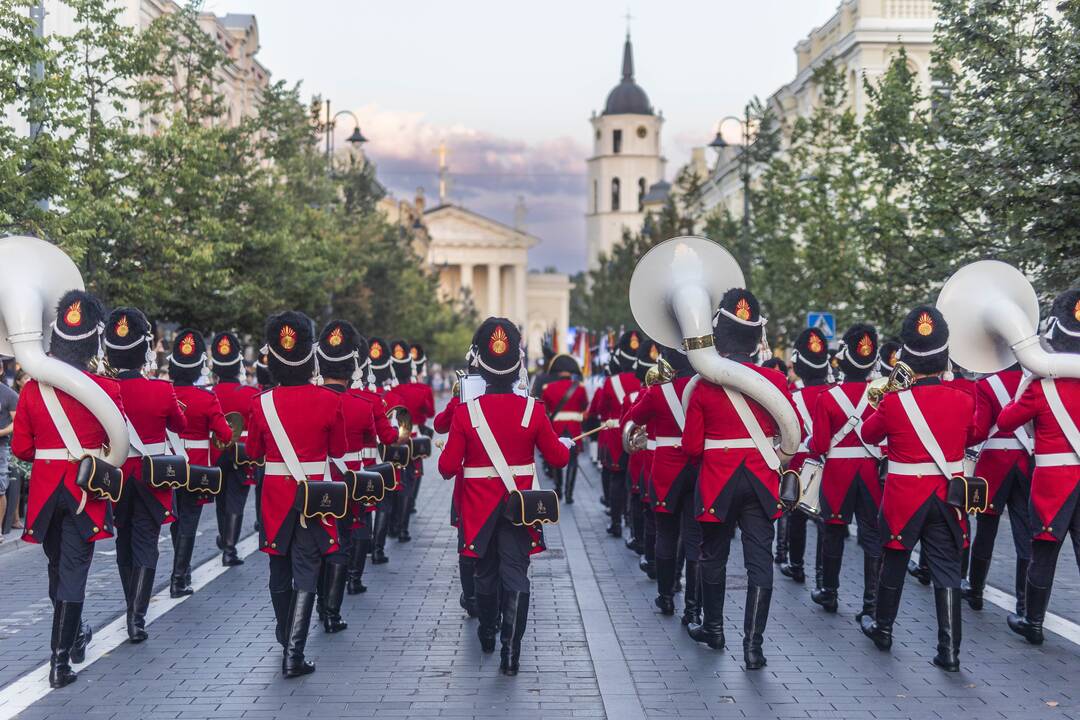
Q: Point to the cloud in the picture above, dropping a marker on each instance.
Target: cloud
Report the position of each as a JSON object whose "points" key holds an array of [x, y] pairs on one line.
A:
{"points": [[488, 173]]}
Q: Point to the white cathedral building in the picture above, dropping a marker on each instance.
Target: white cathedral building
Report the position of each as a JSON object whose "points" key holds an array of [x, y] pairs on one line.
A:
{"points": [[625, 163]]}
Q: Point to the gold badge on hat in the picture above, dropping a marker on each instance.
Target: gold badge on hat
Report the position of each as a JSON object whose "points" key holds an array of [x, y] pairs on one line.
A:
{"points": [[814, 343], [287, 337], [336, 337], [499, 342], [634, 342], [375, 352], [399, 352], [1076, 311], [187, 344], [865, 347], [224, 347], [414, 353], [122, 327], [925, 325], [742, 309], [653, 352], [73, 316]]}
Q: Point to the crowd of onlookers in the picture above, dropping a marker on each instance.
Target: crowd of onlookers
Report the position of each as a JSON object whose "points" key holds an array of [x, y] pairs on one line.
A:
{"points": [[14, 473]]}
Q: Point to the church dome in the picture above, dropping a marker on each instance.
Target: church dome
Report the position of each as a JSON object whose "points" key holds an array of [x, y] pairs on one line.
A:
{"points": [[627, 98]]}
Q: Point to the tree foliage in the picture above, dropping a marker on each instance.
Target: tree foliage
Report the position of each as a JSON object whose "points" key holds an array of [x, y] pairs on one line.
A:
{"points": [[168, 202]]}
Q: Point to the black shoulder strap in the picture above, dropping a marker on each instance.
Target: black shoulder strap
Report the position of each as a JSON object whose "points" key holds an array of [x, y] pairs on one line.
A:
{"points": [[563, 400]]}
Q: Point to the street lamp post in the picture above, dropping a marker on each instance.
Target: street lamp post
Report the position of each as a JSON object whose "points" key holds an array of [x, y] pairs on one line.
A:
{"points": [[356, 139], [719, 143]]}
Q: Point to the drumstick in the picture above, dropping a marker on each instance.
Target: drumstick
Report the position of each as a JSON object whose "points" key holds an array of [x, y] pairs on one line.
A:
{"points": [[587, 434]]}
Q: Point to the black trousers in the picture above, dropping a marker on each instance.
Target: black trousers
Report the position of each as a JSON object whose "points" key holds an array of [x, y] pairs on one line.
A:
{"points": [[746, 512], [69, 556], [506, 561], [1044, 554], [986, 527], [866, 515], [679, 523], [938, 547], [345, 541], [796, 528], [233, 496], [298, 569], [137, 530], [188, 512], [399, 513], [618, 495]]}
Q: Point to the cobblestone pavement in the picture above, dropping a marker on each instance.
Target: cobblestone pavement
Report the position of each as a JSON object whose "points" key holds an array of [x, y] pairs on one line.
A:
{"points": [[595, 647]]}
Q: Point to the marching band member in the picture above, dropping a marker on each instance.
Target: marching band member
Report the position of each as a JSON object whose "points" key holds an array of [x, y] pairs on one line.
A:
{"points": [[466, 564], [514, 427], [739, 481], [265, 381], [671, 489], [1053, 406], [419, 360], [202, 411], [566, 401], [849, 481], [417, 399], [383, 433], [810, 361], [1005, 463], [227, 362], [65, 519], [381, 377], [621, 381], [151, 409], [927, 426], [301, 425], [337, 352]]}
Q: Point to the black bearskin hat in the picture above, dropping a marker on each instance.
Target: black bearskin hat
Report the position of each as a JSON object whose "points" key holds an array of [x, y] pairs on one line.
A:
{"points": [[401, 360], [678, 360], [419, 357], [626, 350], [498, 350], [337, 350], [775, 363], [563, 365], [226, 355], [811, 355], [925, 336], [290, 346], [262, 372], [888, 354], [858, 351], [379, 357], [76, 331], [127, 338], [738, 323], [648, 355], [188, 358], [1063, 333]]}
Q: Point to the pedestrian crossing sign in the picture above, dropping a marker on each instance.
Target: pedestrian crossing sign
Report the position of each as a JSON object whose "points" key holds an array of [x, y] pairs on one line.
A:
{"points": [[823, 321]]}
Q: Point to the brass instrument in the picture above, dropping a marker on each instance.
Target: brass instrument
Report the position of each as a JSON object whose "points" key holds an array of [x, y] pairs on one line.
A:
{"points": [[455, 391], [399, 415], [236, 424], [634, 437], [901, 378], [659, 373]]}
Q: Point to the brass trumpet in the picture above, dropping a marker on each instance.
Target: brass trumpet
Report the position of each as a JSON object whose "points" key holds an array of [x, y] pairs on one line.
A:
{"points": [[661, 372], [901, 378], [399, 414], [455, 391], [236, 424]]}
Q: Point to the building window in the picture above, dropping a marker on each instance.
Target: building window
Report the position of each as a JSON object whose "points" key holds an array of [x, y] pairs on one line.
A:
{"points": [[596, 196], [616, 142], [615, 194], [641, 194]]}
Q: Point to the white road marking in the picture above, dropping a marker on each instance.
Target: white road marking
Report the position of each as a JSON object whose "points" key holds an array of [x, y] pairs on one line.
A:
{"points": [[34, 685]]}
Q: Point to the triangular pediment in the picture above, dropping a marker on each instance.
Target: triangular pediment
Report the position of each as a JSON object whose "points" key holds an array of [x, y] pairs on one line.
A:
{"points": [[452, 225]]}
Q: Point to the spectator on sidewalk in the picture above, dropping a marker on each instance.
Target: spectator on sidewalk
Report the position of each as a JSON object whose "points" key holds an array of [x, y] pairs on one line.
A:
{"points": [[8, 400]]}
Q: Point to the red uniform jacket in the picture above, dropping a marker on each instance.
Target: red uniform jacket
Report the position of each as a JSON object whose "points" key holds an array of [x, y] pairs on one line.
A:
{"points": [[53, 481], [608, 407], [1002, 453], [234, 397], [671, 467], [203, 413], [441, 424], [805, 398], [711, 417], [638, 464], [848, 459], [567, 421], [952, 417], [312, 418], [151, 407], [1055, 483], [519, 433]]}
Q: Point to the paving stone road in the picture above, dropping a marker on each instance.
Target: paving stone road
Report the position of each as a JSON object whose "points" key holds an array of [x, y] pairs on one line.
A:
{"points": [[595, 646]]}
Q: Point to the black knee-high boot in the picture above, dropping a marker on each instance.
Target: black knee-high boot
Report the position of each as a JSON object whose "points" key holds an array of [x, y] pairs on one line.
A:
{"points": [[67, 617], [947, 603], [293, 663], [488, 607], [515, 616], [357, 560], [571, 477], [758, 600], [781, 555], [605, 487], [179, 584], [467, 574], [692, 594], [871, 572], [230, 536], [711, 629], [142, 586], [1030, 624], [879, 628], [279, 600], [665, 585], [333, 594], [379, 531]]}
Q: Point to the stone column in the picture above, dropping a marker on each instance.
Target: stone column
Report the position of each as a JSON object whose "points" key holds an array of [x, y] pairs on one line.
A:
{"points": [[520, 283], [493, 290], [466, 276]]}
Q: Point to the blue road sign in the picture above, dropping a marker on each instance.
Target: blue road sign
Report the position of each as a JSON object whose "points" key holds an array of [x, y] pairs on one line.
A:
{"points": [[823, 321]]}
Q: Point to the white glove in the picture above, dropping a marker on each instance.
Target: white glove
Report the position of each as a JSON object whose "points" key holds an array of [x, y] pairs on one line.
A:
{"points": [[566, 442]]}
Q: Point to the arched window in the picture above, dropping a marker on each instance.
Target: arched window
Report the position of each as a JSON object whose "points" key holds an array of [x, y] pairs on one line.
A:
{"points": [[615, 194], [596, 196], [616, 142], [641, 194]]}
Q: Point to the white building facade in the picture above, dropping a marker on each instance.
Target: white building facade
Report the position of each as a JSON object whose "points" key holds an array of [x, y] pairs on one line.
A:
{"points": [[626, 161]]}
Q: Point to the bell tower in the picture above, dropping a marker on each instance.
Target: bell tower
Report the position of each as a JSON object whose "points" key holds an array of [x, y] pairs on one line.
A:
{"points": [[625, 162]]}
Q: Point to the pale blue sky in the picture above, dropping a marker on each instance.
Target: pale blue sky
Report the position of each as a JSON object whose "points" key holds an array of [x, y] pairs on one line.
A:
{"points": [[510, 85]]}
